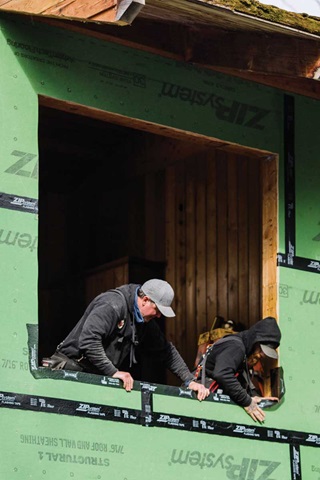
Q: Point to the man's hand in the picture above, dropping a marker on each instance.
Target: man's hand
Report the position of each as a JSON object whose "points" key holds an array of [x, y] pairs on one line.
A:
{"points": [[203, 392], [126, 379], [255, 412]]}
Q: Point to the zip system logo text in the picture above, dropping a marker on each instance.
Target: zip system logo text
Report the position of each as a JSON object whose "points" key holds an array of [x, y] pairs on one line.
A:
{"points": [[226, 110], [248, 469]]}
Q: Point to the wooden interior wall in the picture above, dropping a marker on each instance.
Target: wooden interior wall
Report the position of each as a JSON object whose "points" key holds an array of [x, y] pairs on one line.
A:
{"points": [[221, 224], [213, 243], [202, 217]]}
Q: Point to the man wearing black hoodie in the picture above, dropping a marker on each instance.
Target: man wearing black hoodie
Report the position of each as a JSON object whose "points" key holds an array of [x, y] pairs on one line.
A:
{"points": [[230, 354]]}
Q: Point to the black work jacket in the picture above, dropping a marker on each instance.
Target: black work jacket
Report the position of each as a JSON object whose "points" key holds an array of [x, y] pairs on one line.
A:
{"points": [[227, 357]]}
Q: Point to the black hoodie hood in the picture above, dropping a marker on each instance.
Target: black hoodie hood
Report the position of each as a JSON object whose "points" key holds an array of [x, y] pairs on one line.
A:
{"points": [[265, 331]]}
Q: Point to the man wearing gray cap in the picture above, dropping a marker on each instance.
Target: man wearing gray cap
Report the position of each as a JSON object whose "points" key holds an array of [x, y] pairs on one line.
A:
{"points": [[117, 327]]}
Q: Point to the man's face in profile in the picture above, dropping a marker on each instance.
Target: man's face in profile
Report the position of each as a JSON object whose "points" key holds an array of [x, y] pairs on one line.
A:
{"points": [[148, 309]]}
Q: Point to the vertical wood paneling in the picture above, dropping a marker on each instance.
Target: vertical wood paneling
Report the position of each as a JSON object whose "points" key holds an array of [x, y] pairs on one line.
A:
{"points": [[219, 238], [254, 241], [150, 209], [201, 228], [243, 247], [222, 234], [97, 284], [170, 241], [104, 278], [216, 269], [180, 258], [120, 275], [211, 226], [154, 216], [233, 239], [159, 218], [192, 333]]}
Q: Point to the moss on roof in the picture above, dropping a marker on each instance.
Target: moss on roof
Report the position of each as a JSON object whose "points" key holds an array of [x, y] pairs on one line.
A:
{"points": [[299, 21]]}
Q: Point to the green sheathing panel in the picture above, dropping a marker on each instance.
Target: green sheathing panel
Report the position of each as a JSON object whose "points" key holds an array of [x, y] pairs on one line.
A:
{"points": [[140, 85], [18, 292], [37, 59], [18, 132], [310, 467], [307, 175], [39, 449], [300, 356], [110, 77]]}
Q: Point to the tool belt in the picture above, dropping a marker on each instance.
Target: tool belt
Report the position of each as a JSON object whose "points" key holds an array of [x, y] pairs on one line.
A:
{"points": [[59, 361]]}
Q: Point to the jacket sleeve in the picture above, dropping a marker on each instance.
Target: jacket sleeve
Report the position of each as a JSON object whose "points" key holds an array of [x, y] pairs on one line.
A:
{"points": [[228, 359], [155, 344], [177, 365], [97, 327]]}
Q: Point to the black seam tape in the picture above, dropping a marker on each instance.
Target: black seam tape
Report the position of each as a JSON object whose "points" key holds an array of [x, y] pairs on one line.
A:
{"points": [[15, 202], [295, 462], [68, 407], [146, 416], [146, 404], [289, 170], [298, 263], [235, 430], [125, 415]]}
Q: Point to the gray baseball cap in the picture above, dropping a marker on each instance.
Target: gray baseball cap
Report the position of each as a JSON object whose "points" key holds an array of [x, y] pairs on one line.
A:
{"points": [[161, 293], [269, 350]]}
